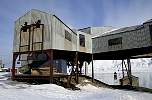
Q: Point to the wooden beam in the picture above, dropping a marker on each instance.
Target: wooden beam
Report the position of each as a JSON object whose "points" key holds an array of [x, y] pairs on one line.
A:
{"points": [[50, 57], [13, 65], [92, 69], [123, 69], [85, 68], [129, 71], [77, 67]]}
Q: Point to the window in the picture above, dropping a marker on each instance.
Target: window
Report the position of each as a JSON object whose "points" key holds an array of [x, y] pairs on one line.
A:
{"points": [[68, 36], [115, 41], [82, 40]]}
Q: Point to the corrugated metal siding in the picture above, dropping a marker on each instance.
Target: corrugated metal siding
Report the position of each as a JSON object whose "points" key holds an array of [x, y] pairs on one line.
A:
{"points": [[46, 19], [59, 40], [37, 46], [37, 35], [54, 32], [58, 34], [132, 39], [74, 42], [37, 38], [25, 38], [18, 23]]}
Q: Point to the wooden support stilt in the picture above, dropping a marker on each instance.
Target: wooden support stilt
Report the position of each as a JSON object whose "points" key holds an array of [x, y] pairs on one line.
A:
{"points": [[123, 69], [77, 66], [92, 69], [122, 72], [13, 65], [129, 71], [50, 56], [85, 68]]}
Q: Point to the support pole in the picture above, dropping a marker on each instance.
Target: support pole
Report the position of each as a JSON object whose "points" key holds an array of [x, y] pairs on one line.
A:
{"points": [[122, 72], [50, 56], [92, 69], [86, 68], [77, 66], [129, 71], [13, 65], [123, 69]]}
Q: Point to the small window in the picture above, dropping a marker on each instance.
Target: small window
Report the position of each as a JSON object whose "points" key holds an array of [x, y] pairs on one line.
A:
{"points": [[115, 41], [68, 36], [82, 40]]}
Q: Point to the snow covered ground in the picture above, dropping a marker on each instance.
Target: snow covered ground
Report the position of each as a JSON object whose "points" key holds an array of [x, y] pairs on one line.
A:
{"points": [[10, 90], [104, 69]]}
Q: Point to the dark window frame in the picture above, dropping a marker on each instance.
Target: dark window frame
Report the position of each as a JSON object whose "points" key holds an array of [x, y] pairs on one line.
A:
{"points": [[68, 36], [115, 41], [82, 40]]}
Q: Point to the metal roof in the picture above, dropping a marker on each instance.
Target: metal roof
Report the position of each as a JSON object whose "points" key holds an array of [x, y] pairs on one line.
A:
{"points": [[148, 21], [121, 30]]}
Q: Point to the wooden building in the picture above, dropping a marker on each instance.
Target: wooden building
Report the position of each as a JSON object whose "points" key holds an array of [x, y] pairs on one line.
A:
{"points": [[41, 39], [124, 42]]}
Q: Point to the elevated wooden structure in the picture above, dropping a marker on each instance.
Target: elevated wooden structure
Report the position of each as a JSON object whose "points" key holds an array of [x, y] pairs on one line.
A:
{"points": [[43, 37]]}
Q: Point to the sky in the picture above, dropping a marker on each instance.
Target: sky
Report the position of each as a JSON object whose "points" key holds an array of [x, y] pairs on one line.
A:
{"points": [[75, 13]]}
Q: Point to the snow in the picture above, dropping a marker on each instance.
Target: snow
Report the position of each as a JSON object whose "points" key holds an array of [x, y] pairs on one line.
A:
{"points": [[11, 90], [104, 69]]}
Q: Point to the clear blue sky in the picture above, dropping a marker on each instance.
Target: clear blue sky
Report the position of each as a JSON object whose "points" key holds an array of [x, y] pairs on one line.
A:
{"points": [[75, 13]]}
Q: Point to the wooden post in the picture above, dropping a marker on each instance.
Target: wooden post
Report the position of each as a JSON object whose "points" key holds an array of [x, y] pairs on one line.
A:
{"points": [[92, 69], [123, 69], [50, 56], [77, 66], [122, 72], [13, 65], [86, 68], [129, 71]]}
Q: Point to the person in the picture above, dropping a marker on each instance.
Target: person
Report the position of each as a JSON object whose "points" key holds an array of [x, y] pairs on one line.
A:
{"points": [[115, 76]]}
